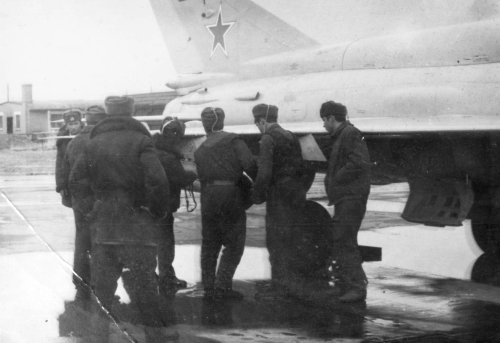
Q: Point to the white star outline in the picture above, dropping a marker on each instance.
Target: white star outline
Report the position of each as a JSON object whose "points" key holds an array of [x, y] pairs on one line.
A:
{"points": [[220, 21]]}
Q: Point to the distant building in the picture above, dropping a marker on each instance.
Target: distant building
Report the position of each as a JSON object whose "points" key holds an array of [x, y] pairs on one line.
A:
{"points": [[10, 117], [27, 116]]}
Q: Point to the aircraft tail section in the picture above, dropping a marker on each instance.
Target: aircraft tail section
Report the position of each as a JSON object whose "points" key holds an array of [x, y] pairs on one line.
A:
{"points": [[217, 37]]}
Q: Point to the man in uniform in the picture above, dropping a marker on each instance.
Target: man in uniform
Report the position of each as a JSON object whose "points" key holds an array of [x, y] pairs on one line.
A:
{"points": [[221, 161], [72, 126], [130, 186], [347, 185], [166, 144], [279, 183], [82, 204]]}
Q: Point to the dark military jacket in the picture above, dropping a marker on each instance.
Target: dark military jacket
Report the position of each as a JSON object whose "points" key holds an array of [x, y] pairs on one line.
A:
{"points": [[224, 157], [280, 159], [348, 174], [178, 178], [61, 179], [130, 185], [81, 201]]}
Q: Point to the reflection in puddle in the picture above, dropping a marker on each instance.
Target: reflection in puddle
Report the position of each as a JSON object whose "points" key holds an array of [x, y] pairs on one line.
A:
{"points": [[400, 304], [448, 251], [284, 317], [383, 322]]}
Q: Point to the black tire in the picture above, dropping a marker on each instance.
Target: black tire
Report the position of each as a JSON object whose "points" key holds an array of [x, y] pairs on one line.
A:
{"points": [[485, 224], [486, 270], [480, 219], [312, 240]]}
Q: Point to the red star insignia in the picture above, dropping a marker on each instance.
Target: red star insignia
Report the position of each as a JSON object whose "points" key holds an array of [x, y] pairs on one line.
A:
{"points": [[218, 31]]}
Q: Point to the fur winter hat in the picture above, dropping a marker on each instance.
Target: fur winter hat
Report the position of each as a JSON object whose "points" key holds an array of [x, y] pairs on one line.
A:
{"points": [[94, 114], [119, 106], [265, 111], [171, 126], [72, 116], [331, 108], [212, 118]]}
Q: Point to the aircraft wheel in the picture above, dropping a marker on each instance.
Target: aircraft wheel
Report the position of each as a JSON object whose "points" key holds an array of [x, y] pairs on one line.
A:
{"points": [[312, 240], [486, 270], [486, 229], [479, 222]]}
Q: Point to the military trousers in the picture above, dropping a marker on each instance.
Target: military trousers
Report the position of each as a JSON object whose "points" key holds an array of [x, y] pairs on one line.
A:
{"points": [[166, 252], [108, 262], [81, 258], [349, 214], [283, 215], [223, 221]]}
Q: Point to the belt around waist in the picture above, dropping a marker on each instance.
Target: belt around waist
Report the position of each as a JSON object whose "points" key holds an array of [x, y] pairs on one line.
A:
{"points": [[220, 183]]}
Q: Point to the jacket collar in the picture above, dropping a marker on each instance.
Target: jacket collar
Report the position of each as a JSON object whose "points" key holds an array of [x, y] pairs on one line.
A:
{"points": [[87, 129], [165, 144], [118, 123], [272, 127], [215, 137], [338, 130]]}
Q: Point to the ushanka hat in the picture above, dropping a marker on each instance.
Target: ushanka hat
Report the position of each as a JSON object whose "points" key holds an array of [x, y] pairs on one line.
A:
{"points": [[119, 105], [94, 114], [212, 118], [331, 108], [265, 111], [171, 126], [72, 116]]}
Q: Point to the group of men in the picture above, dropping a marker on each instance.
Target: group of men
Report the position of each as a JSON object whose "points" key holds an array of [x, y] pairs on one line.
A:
{"points": [[224, 164], [124, 187], [113, 174]]}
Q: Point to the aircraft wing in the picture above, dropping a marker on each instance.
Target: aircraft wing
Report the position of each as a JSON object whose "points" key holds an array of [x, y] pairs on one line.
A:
{"points": [[426, 124], [370, 126], [398, 125], [377, 125]]}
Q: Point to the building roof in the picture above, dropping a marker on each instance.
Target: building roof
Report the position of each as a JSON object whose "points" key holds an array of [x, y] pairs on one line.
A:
{"points": [[63, 105], [11, 102], [146, 99], [153, 99]]}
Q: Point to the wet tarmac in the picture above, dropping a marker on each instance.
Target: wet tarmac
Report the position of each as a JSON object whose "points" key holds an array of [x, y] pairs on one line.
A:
{"points": [[420, 291]]}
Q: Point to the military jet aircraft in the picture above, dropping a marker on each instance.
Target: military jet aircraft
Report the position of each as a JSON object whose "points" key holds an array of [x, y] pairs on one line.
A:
{"points": [[420, 79]]}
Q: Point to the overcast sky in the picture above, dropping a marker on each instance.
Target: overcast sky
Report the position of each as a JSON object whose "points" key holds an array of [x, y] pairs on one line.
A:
{"points": [[74, 49]]}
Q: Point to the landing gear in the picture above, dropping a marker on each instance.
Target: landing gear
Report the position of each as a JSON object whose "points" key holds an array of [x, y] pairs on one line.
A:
{"points": [[485, 230], [485, 220], [312, 241], [486, 270]]}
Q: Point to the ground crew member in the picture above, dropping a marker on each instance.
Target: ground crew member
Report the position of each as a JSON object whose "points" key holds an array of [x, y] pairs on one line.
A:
{"points": [[166, 144], [279, 183], [130, 186], [347, 185], [82, 204], [72, 126], [221, 161]]}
